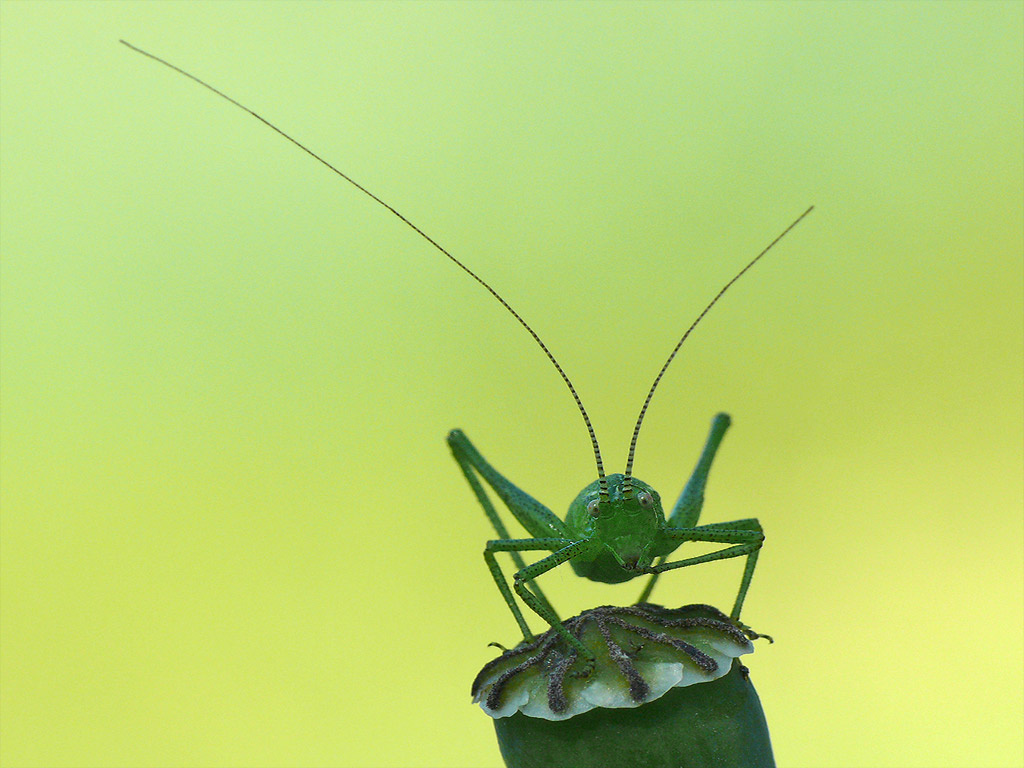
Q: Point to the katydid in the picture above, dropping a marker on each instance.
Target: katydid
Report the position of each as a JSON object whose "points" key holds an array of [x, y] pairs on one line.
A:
{"points": [[615, 529]]}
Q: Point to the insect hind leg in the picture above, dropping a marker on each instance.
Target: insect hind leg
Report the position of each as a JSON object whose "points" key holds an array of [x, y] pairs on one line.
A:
{"points": [[474, 466]]}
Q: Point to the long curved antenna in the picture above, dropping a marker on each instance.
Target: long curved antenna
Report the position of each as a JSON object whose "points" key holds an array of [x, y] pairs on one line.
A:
{"points": [[425, 236], [627, 483]]}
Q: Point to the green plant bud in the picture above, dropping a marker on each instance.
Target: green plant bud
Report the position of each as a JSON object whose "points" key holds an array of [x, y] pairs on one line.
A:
{"points": [[664, 688]]}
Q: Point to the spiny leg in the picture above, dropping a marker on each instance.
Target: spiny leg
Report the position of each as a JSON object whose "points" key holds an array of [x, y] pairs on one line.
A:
{"points": [[474, 466], [686, 511], [746, 536]]}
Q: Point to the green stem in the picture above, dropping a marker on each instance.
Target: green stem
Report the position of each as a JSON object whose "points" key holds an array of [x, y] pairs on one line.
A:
{"points": [[718, 723]]}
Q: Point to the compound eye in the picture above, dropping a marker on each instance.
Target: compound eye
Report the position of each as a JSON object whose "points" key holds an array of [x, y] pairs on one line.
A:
{"points": [[645, 499], [593, 508]]}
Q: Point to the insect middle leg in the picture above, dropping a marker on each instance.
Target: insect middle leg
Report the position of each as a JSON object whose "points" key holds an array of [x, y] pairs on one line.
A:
{"points": [[746, 536]]}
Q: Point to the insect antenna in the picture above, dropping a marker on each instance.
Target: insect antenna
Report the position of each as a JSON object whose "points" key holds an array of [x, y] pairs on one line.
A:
{"points": [[425, 236], [627, 482]]}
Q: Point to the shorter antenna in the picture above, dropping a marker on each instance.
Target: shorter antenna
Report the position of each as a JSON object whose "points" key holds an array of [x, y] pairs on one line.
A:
{"points": [[627, 483], [425, 236]]}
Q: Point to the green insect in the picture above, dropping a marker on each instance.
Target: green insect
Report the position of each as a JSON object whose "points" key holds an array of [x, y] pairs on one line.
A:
{"points": [[615, 529]]}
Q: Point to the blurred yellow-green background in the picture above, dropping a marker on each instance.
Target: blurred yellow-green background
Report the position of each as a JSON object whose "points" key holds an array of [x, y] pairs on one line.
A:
{"points": [[232, 534]]}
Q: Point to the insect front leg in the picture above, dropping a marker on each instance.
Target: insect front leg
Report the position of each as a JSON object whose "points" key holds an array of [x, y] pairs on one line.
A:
{"points": [[537, 519], [568, 551], [514, 547], [746, 536]]}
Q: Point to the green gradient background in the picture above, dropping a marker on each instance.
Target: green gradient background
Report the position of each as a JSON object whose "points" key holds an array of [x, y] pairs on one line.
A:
{"points": [[231, 531]]}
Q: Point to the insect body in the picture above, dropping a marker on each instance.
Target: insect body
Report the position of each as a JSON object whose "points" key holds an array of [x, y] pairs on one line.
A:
{"points": [[611, 535], [616, 528]]}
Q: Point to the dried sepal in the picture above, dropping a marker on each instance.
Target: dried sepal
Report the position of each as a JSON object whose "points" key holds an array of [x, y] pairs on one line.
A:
{"points": [[639, 653]]}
